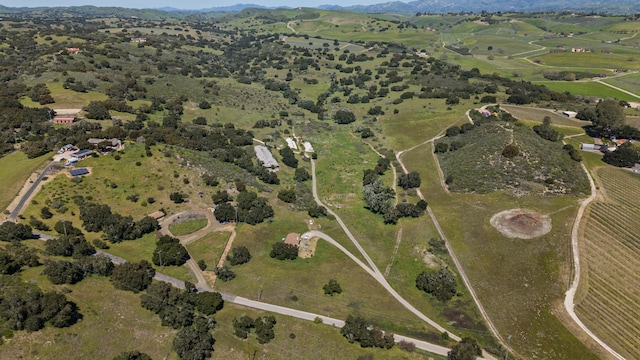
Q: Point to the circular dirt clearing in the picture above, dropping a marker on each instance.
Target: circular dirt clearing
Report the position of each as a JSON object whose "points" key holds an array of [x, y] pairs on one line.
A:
{"points": [[521, 223]]}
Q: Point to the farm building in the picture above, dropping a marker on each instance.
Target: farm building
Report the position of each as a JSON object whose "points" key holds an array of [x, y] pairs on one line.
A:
{"points": [[63, 120], [569, 114], [308, 147], [78, 172], [291, 143], [156, 215], [292, 239], [82, 154], [265, 157]]}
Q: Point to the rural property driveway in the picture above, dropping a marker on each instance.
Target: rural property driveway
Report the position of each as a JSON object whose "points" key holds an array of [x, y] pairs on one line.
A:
{"points": [[16, 211], [371, 269]]}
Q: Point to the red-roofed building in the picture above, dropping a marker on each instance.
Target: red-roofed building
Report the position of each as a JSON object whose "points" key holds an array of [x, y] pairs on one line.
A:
{"points": [[64, 120], [292, 239]]}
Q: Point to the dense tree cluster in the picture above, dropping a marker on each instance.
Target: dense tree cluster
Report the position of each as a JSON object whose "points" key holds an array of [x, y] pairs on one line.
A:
{"points": [[440, 284], [409, 180], [225, 273], [239, 255], [133, 276], [115, 227], [466, 349], [25, 307], [332, 288], [358, 329], [15, 256], [178, 308], [546, 132], [626, 155], [301, 174], [263, 327], [169, 252], [10, 231], [195, 342], [288, 157], [69, 245], [282, 251]]}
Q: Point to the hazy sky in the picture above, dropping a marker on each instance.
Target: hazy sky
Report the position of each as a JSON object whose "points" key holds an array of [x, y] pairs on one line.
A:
{"points": [[184, 4]]}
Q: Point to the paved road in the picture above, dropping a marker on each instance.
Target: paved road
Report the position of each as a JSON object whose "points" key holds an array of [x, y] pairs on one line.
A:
{"points": [[436, 349], [16, 211]]}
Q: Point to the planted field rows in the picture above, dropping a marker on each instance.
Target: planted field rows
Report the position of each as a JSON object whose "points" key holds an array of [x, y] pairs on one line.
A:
{"points": [[611, 251]]}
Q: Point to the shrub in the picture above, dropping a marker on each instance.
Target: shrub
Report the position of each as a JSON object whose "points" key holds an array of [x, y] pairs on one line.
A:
{"points": [[510, 151]]}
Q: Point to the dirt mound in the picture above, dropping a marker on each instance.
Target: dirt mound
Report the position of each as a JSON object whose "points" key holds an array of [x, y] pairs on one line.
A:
{"points": [[521, 223]]}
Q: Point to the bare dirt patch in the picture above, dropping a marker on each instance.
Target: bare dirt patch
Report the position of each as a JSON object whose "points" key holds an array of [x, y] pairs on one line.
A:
{"points": [[307, 247], [521, 223]]}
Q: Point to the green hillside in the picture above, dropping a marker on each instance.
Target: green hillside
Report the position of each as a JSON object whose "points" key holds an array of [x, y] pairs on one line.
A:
{"points": [[540, 167]]}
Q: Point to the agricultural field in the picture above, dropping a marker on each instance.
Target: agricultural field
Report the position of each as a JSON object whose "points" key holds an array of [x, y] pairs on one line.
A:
{"points": [[589, 89], [608, 299]]}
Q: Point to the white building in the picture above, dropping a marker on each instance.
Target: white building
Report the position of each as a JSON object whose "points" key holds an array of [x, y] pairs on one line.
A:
{"points": [[291, 143], [307, 147]]}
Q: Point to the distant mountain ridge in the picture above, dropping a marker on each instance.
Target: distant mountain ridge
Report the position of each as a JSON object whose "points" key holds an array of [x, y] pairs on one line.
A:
{"points": [[618, 7], [448, 6]]}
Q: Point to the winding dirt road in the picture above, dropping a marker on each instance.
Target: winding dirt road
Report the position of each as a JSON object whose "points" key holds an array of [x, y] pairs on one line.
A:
{"points": [[452, 254]]}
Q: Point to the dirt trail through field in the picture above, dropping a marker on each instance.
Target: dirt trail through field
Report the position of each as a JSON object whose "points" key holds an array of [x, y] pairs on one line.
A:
{"points": [[454, 258]]}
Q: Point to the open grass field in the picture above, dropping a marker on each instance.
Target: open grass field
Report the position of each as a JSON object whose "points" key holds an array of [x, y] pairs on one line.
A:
{"points": [[608, 299], [67, 99], [187, 227], [21, 168], [629, 82], [130, 327], [111, 181], [527, 113], [519, 282], [589, 88], [422, 121], [113, 322], [142, 249], [298, 284], [588, 60], [209, 248], [294, 339]]}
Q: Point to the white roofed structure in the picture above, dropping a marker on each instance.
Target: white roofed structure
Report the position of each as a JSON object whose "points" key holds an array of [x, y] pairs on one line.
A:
{"points": [[291, 143], [308, 147], [265, 156]]}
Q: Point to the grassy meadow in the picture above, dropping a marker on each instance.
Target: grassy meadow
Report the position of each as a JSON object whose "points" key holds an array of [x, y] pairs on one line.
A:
{"points": [[21, 169], [209, 248], [187, 227], [519, 282]]}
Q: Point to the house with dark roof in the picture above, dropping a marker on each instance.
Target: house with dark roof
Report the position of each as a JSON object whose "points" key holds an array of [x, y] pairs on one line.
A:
{"points": [[82, 154]]}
